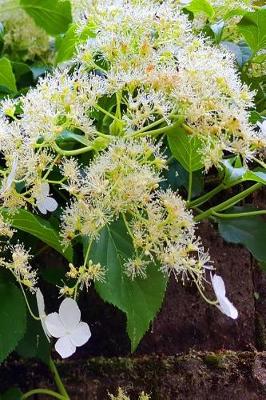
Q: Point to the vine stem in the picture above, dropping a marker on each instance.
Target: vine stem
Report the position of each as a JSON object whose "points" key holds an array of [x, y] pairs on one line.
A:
{"points": [[71, 152], [155, 132], [58, 381], [228, 203], [260, 162], [239, 215], [47, 392]]}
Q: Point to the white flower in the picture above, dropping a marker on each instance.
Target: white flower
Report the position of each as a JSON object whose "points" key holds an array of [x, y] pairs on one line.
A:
{"points": [[262, 126], [41, 310], [67, 327], [225, 306], [10, 178], [43, 201]]}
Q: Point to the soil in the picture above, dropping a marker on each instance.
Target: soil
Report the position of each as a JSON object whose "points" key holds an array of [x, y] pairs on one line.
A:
{"points": [[192, 351]]}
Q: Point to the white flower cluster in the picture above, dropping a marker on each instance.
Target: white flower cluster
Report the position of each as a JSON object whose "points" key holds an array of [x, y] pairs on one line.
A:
{"points": [[144, 72]]}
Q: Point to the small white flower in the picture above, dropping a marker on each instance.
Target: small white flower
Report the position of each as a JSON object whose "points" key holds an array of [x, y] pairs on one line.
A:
{"points": [[67, 328], [10, 178], [262, 126], [225, 306], [44, 202], [41, 310]]}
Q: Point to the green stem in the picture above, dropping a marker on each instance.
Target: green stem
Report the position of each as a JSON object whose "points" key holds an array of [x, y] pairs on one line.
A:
{"points": [[159, 131], [71, 152], [228, 203], [148, 127], [51, 166], [47, 392], [261, 163], [27, 303], [239, 215], [207, 196], [58, 380], [99, 108], [128, 227]]}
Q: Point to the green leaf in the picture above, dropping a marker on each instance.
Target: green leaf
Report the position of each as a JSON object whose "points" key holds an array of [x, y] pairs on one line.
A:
{"points": [[233, 173], [34, 344], [185, 148], [248, 231], [38, 227], [11, 394], [201, 6], [54, 16], [7, 77], [217, 30], [256, 176], [68, 136], [253, 28], [68, 44], [23, 74], [140, 299], [241, 51], [12, 317]]}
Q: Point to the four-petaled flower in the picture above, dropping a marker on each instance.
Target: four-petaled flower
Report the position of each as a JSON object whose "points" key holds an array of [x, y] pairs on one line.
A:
{"points": [[44, 202], [224, 305], [67, 327]]}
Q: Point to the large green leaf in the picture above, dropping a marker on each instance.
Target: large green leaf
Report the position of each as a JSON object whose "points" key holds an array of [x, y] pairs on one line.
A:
{"points": [[253, 28], [12, 318], [54, 16], [38, 227], [140, 299], [248, 231], [185, 148], [34, 344], [7, 77], [67, 45], [11, 394], [201, 6]]}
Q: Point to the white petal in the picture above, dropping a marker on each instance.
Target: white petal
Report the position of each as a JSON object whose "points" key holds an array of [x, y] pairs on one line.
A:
{"points": [[45, 189], [81, 334], [64, 347], [40, 303], [227, 308], [69, 313], [54, 325], [50, 204], [41, 310], [218, 286], [11, 176], [41, 206]]}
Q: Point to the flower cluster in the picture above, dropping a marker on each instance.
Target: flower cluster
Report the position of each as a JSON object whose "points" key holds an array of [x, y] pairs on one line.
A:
{"points": [[166, 71], [23, 39]]}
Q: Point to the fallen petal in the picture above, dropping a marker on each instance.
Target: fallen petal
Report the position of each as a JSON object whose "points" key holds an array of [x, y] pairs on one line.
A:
{"points": [[227, 308]]}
